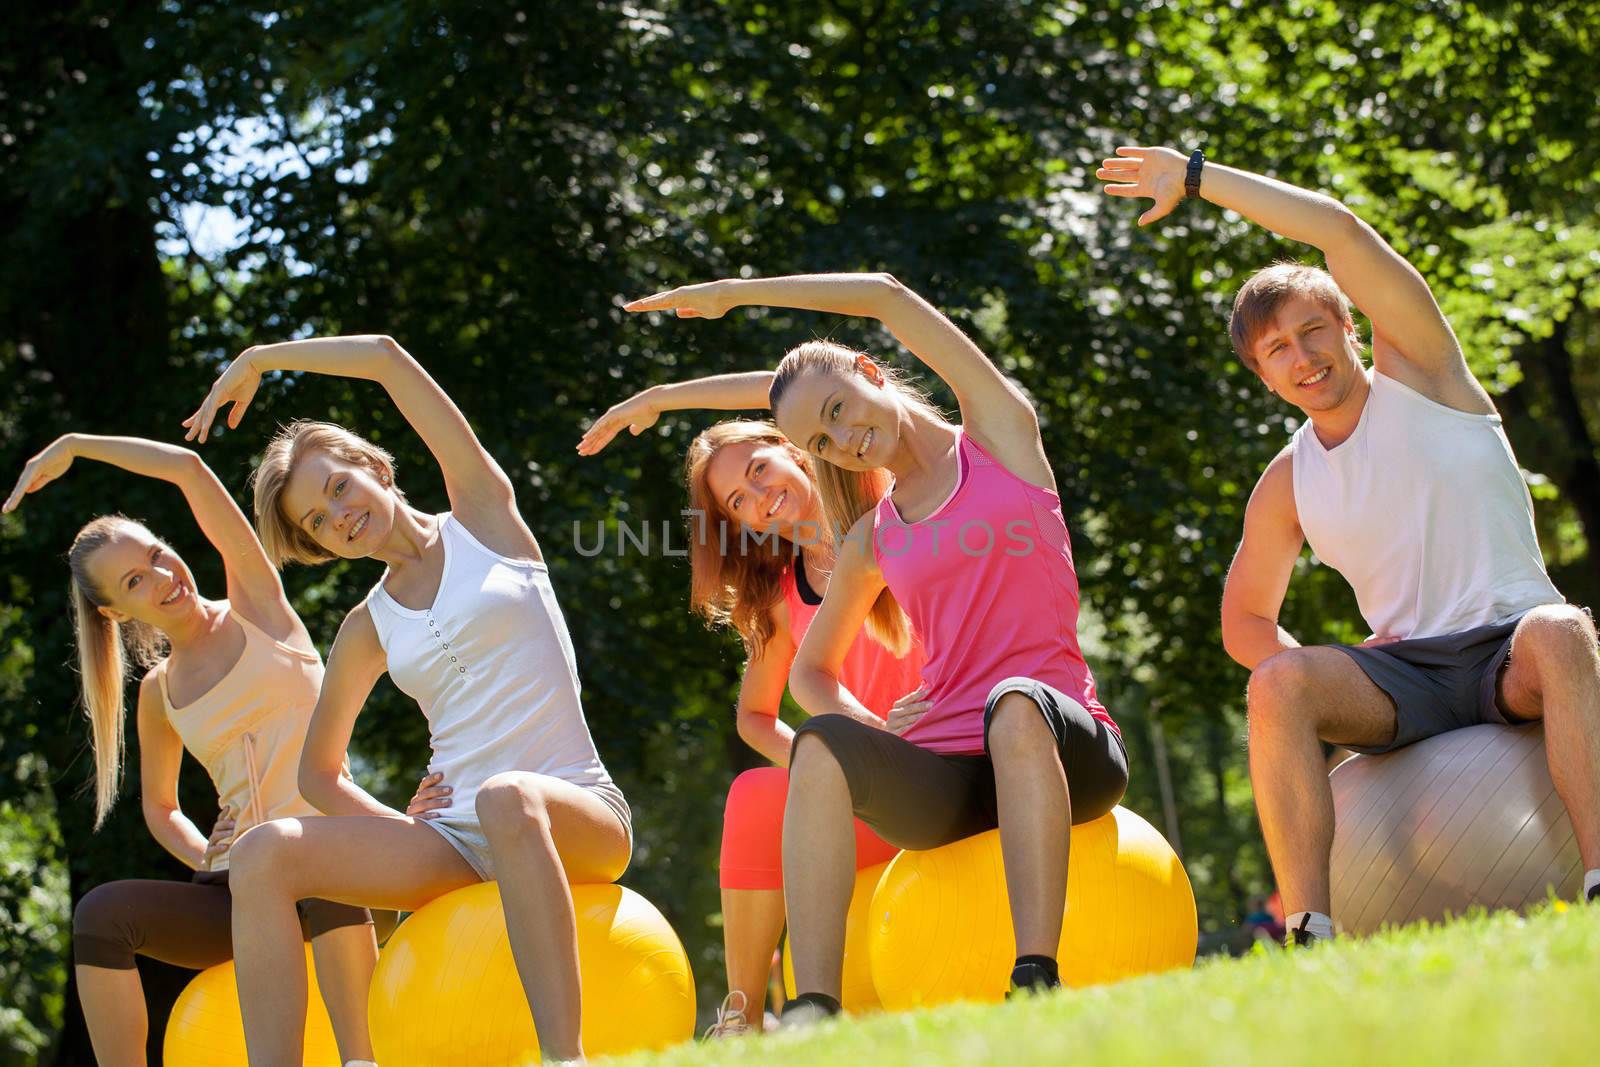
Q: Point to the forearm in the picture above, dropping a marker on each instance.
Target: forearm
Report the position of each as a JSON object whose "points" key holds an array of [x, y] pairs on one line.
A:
{"points": [[1252, 639], [820, 692], [862, 295], [369, 356], [177, 833], [767, 734], [334, 793], [720, 392], [1287, 210], [151, 459]]}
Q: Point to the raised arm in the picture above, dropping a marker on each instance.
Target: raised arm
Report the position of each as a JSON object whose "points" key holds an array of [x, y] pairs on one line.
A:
{"points": [[991, 406], [355, 664], [1407, 324], [253, 583], [1259, 577], [480, 493], [160, 756], [853, 589], [721, 392]]}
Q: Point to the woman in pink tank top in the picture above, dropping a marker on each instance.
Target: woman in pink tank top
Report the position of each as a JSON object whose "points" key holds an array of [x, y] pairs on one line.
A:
{"points": [[759, 564], [232, 681], [955, 532]]}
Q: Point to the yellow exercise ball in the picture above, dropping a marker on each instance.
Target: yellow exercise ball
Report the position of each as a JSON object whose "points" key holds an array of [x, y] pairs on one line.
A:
{"points": [[206, 1030], [941, 920], [858, 993], [446, 989]]}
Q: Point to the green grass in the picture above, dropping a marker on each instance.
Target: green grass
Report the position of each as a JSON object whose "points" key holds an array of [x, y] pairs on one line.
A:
{"points": [[1499, 990]]}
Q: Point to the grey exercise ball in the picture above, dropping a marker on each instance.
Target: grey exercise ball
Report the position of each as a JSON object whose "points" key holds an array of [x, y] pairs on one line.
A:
{"points": [[1465, 818]]}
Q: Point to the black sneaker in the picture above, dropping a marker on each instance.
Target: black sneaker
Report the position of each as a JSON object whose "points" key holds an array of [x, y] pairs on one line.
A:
{"points": [[1300, 937], [807, 1009], [1594, 893], [1029, 979]]}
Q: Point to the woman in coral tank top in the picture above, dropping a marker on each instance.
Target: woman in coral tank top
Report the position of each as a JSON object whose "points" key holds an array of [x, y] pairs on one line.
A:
{"points": [[759, 563]]}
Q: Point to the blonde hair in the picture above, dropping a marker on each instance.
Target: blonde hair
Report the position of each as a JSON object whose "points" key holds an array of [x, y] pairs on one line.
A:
{"points": [[846, 494], [1258, 300], [104, 646], [283, 539]]}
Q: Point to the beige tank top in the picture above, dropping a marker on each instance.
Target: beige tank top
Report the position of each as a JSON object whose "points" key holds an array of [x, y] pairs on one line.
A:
{"points": [[247, 730]]}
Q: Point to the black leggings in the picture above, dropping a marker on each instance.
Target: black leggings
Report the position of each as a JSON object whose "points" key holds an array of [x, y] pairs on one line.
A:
{"points": [[189, 924], [917, 799]]}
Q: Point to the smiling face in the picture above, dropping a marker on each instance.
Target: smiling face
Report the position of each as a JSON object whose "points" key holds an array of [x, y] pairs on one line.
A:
{"points": [[1308, 356], [343, 506], [851, 420], [762, 486], [141, 578]]}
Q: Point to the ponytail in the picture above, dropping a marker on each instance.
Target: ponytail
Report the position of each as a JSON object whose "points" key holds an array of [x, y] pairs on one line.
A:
{"points": [[103, 649]]}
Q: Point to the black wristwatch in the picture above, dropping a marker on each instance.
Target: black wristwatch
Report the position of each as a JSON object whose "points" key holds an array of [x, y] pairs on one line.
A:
{"points": [[1191, 177]]}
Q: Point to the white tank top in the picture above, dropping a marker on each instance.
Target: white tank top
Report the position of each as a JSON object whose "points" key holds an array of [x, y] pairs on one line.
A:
{"points": [[491, 665], [1424, 513]]}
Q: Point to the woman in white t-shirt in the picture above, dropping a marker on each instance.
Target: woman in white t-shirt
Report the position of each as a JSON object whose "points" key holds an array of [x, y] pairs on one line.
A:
{"points": [[464, 620]]}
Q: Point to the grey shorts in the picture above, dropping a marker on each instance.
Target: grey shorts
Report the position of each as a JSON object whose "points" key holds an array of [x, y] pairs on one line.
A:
{"points": [[1440, 683], [466, 835]]}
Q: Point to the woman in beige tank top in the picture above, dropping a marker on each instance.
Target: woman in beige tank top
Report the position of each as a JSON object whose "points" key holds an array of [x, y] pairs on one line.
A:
{"points": [[234, 681]]}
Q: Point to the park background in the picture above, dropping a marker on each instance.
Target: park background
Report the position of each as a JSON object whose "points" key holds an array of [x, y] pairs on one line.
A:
{"points": [[487, 183]]}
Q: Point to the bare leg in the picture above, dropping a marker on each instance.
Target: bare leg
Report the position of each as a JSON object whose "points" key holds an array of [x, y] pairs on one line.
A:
{"points": [[819, 866], [752, 922], [345, 959], [113, 1009], [1297, 698], [1554, 675], [1035, 812], [368, 860], [544, 833]]}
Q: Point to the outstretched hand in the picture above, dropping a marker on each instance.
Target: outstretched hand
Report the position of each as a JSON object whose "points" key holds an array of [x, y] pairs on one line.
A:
{"points": [[1157, 173], [237, 386], [708, 300], [40, 471], [637, 413]]}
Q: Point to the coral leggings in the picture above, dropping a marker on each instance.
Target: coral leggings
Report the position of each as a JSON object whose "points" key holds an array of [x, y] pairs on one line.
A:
{"points": [[752, 832]]}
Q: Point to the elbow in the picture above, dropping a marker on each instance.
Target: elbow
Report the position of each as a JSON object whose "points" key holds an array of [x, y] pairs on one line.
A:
{"points": [[887, 288], [1347, 226], [749, 725], [808, 686], [318, 785], [157, 816]]}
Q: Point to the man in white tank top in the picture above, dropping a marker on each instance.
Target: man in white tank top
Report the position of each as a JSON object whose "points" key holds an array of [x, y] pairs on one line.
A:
{"points": [[1402, 480]]}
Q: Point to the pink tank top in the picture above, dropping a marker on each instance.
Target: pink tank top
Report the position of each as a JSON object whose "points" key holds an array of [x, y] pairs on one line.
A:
{"points": [[988, 582], [873, 674]]}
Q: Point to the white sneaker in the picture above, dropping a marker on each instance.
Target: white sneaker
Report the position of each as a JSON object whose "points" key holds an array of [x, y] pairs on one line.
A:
{"points": [[730, 1019]]}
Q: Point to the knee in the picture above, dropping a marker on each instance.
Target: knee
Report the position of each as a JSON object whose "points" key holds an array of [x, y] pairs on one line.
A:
{"points": [[262, 856], [97, 913], [756, 794], [1556, 635], [814, 757], [1278, 686], [511, 802], [1017, 728]]}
